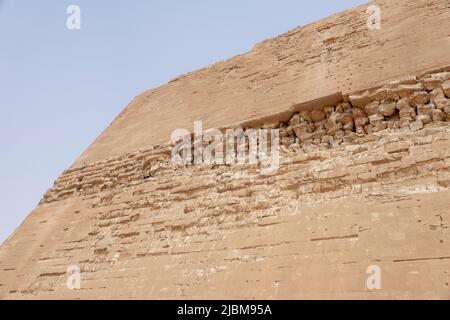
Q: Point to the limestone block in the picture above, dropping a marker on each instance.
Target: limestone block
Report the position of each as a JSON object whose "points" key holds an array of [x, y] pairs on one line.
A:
{"points": [[407, 112], [306, 116], [446, 88], [345, 117], [404, 122], [377, 117], [425, 109], [317, 115], [441, 102], [372, 108], [416, 125], [388, 109], [424, 118], [438, 115], [403, 104], [343, 107], [419, 98], [295, 119]]}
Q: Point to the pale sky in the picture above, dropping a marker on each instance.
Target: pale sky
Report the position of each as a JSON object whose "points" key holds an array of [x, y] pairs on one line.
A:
{"points": [[60, 88]]}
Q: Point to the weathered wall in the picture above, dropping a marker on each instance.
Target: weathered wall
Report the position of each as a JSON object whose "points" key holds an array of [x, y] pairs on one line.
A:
{"points": [[364, 178]]}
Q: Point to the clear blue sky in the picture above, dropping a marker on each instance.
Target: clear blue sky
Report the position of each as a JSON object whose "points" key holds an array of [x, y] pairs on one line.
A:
{"points": [[59, 88]]}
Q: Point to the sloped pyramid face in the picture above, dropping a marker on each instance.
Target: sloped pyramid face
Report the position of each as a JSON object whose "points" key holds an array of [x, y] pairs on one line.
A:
{"points": [[358, 208]]}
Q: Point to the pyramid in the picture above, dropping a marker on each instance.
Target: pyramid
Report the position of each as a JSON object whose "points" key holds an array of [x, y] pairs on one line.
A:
{"points": [[358, 209]]}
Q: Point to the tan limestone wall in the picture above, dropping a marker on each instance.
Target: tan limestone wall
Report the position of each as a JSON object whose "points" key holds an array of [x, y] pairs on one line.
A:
{"points": [[364, 177]]}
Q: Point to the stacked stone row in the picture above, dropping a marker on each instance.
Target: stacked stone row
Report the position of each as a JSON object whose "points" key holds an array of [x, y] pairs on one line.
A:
{"points": [[331, 125]]}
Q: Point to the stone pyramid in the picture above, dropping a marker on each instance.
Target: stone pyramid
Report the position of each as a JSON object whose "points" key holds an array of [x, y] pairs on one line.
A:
{"points": [[359, 207]]}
